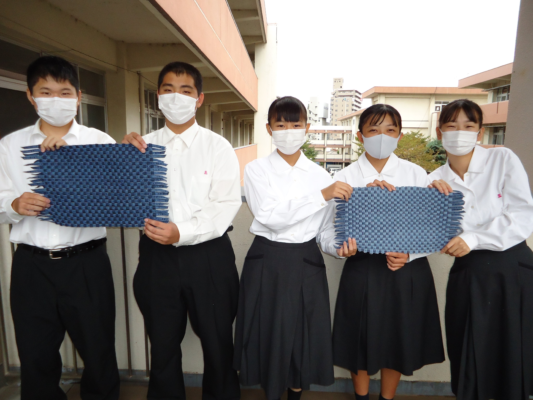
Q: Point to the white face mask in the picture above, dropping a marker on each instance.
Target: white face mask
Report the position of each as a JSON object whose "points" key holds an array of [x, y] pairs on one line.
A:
{"points": [[177, 108], [459, 143], [289, 141], [56, 111], [380, 146]]}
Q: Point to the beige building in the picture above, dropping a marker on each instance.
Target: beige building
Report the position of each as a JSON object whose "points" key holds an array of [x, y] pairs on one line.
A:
{"points": [[497, 83], [343, 101], [333, 145]]}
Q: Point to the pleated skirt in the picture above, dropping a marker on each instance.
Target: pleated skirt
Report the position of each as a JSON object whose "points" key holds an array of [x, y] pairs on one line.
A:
{"points": [[489, 324], [386, 319], [283, 329]]}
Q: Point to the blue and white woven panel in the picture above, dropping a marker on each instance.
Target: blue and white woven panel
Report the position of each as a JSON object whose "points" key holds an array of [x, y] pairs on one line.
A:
{"points": [[112, 185], [408, 220]]}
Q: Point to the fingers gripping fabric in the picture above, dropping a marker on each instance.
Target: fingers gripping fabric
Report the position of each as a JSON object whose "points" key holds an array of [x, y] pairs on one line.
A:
{"points": [[407, 220], [108, 185]]}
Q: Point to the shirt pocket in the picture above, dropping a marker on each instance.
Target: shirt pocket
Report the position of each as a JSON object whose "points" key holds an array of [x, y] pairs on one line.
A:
{"points": [[201, 184]]}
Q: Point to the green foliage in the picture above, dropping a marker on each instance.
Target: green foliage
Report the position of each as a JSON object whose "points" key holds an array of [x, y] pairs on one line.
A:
{"points": [[435, 148], [309, 151], [413, 147]]}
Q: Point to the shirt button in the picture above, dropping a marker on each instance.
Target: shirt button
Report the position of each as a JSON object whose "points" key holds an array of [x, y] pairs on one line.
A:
{"points": [[472, 207], [322, 204]]}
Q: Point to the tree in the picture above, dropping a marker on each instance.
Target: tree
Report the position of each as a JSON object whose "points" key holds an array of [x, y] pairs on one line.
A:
{"points": [[435, 148], [309, 151], [412, 147]]}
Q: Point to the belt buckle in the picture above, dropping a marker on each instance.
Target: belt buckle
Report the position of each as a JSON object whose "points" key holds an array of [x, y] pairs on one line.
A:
{"points": [[52, 256]]}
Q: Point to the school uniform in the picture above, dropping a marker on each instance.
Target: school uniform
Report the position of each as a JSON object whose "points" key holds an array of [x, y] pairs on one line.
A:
{"points": [[489, 298], [283, 330], [383, 318], [196, 276], [61, 282]]}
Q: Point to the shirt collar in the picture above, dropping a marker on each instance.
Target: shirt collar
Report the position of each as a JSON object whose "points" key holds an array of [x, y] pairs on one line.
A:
{"points": [[187, 136], [74, 129], [368, 169], [479, 160], [477, 164], [280, 165]]}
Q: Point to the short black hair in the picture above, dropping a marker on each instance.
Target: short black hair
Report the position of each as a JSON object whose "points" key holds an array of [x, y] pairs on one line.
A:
{"points": [[59, 69], [377, 113], [181, 68], [288, 109], [450, 112]]}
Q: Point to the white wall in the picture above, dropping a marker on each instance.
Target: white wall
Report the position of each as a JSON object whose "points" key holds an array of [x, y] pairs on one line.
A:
{"points": [[266, 62]]}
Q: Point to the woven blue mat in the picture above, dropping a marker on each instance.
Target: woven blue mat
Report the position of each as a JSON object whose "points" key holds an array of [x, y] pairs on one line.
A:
{"points": [[408, 220], [112, 185]]}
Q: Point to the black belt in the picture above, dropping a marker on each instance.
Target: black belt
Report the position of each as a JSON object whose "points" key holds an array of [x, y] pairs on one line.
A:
{"points": [[65, 252]]}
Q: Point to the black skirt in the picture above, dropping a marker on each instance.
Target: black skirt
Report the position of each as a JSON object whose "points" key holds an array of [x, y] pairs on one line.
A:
{"points": [[386, 319], [283, 330], [489, 324]]}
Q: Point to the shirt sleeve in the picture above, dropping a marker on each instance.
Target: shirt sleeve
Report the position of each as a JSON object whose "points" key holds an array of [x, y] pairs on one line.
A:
{"points": [[106, 139], [326, 236], [214, 218], [515, 224], [269, 209], [7, 193]]}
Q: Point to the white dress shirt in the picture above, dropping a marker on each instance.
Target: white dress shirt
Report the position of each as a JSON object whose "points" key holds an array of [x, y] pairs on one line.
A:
{"points": [[203, 178], [14, 182], [396, 171], [287, 202], [498, 204]]}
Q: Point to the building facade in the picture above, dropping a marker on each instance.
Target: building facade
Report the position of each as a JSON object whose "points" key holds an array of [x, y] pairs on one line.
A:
{"points": [[497, 83], [317, 112], [343, 101], [418, 106], [333, 145]]}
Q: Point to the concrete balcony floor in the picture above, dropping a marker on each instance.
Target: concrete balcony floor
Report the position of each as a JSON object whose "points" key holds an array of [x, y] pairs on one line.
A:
{"points": [[130, 391]]}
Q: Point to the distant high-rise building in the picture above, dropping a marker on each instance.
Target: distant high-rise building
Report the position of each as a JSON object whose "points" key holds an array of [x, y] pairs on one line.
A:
{"points": [[317, 113], [343, 101]]}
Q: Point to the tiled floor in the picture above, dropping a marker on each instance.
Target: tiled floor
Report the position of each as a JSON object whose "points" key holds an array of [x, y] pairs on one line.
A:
{"points": [[130, 391]]}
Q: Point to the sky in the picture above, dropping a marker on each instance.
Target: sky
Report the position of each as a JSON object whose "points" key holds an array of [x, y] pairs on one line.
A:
{"points": [[388, 42]]}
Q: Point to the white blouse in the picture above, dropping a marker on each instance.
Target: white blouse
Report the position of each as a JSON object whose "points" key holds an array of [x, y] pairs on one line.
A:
{"points": [[498, 202], [286, 201], [396, 171]]}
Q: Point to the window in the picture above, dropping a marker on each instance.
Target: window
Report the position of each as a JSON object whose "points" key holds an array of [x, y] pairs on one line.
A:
{"points": [[501, 94], [93, 110], [498, 135], [154, 118], [17, 112], [439, 104]]}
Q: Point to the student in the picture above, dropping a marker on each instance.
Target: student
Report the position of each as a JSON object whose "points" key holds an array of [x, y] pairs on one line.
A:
{"points": [[187, 266], [283, 332], [489, 299], [61, 277], [386, 316]]}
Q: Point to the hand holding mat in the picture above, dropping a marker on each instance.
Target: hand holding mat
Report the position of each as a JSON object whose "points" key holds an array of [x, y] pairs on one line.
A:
{"points": [[408, 220], [112, 185]]}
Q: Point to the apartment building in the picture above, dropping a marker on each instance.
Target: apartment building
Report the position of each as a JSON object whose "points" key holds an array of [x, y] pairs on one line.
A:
{"points": [[497, 83], [343, 101], [317, 112]]}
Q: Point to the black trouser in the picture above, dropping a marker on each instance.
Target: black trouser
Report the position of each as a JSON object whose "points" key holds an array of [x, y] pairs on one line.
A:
{"points": [[202, 280], [49, 297]]}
